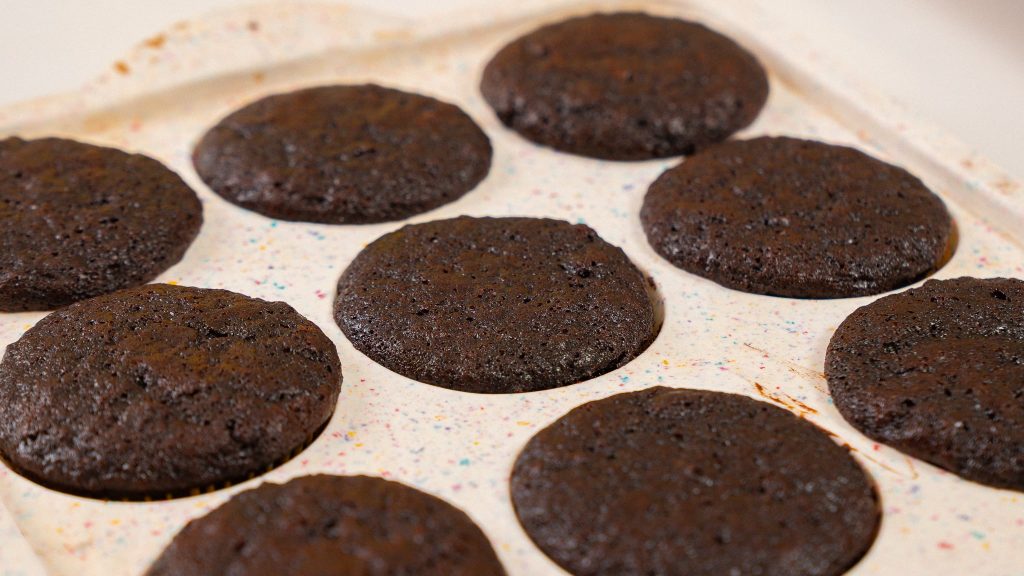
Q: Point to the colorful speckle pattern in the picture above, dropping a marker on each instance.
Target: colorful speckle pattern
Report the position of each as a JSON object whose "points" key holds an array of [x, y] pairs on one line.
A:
{"points": [[461, 446]]}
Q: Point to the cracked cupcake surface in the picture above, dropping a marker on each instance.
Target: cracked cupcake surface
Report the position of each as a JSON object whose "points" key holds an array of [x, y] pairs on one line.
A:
{"points": [[496, 305], [163, 390]]}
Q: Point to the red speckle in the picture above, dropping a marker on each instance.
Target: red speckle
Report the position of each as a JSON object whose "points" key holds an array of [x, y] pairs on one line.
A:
{"points": [[88, 524], [305, 463], [945, 545], [456, 487], [876, 447], [321, 294]]}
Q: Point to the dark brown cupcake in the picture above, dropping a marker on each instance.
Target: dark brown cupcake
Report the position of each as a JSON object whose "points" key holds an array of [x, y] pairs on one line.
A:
{"points": [[81, 220], [797, 218], [938, 372], [496, 305], [625, 86], [701, 483], [344, 155], [331, 525], [163, 390]]}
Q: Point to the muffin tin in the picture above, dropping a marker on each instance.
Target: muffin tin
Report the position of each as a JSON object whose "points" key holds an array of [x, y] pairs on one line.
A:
{"points": [[461, 446]]}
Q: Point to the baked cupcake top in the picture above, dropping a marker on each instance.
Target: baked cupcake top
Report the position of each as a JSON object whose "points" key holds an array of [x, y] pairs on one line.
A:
{"points": [[343, 155], [625, 86], [797, 218], [81, 220], [162, 391], [648, 482], [496, 305], [331, 525], [938, 372]]}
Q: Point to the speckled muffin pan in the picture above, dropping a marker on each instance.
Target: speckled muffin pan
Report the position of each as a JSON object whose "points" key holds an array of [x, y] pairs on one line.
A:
{"points": [[459, 446]]}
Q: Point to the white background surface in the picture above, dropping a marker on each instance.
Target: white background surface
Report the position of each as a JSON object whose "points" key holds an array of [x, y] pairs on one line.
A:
{"points": [[959, 64]]}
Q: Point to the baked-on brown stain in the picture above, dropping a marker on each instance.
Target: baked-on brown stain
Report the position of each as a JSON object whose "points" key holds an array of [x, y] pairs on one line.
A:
{"points": [[156, 42], [789, 402], [815, 378]]}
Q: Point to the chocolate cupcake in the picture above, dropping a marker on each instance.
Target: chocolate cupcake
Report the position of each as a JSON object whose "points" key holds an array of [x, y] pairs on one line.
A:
{"points": [[343, 155], [625, 86], [331, 525], [665, 481], [797, 218], [496, 305], [938, 373], [82, 220], [162, 391]]}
